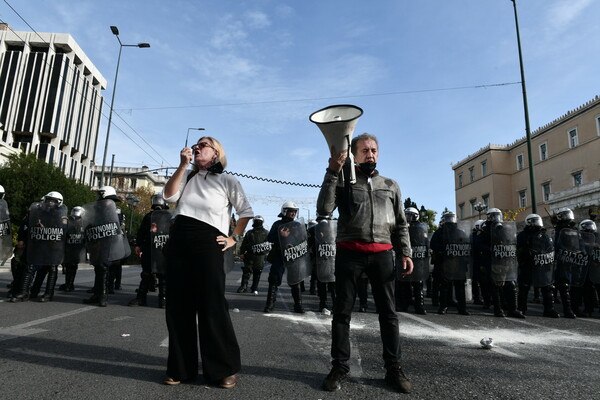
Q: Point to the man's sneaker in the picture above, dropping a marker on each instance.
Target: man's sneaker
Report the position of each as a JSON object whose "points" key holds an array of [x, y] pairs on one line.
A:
{"points": [[334, 380], [395, 377]]}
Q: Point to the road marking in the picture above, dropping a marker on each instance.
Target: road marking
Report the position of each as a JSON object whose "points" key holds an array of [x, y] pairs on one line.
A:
{"points": [[440, 332], [12, 332]]}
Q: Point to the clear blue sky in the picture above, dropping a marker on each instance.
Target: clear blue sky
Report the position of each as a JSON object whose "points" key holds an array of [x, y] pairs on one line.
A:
{"points": [[251, 72]]}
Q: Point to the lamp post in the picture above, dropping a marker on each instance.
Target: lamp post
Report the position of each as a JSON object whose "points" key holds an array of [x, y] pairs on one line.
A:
{"points": [[188, 134], [133, 201], [479, 207], [115, 32], [527, 128]]}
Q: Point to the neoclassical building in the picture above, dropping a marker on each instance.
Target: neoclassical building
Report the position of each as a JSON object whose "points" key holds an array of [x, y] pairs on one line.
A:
{"points": [[566, 158], [50, 100]]}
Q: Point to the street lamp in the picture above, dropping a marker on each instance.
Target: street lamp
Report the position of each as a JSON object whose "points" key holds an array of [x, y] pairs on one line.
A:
{"points": [[479, 207], [133, 201], [527, 128], [188, 134], [115, 32]]}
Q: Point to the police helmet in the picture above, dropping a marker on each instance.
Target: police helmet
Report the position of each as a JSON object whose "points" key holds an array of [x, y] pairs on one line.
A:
{"points": [[412, 214], [1, 192], [587, 225], [257, 221], [77, 212], [312, 223], [478, 224], [449, 217], [158, 202], [108, 192], [534, 221], [494, 215], [53, 197], [565, 215], [287, 206]]}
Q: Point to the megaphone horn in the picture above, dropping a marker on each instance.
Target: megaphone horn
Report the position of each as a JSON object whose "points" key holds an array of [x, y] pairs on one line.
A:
{"points": [[337, 125]]}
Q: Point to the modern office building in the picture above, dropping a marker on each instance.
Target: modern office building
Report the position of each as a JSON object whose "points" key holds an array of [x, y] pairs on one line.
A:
{"points": [[566, 158], [50, 100]]}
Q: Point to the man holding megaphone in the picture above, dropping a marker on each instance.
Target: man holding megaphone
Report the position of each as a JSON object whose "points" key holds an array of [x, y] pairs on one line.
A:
{"points": [[371, 227]]}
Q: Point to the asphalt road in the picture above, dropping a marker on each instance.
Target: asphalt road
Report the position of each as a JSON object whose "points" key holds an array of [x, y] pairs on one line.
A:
{"points": [[68, 350]]}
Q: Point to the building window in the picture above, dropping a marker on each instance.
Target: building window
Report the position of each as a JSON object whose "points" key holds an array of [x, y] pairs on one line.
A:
{"points": [[520, 163], [473, 210], [573, 138], [543, 151], [484, 168], [522, 198], [577, 178], [546, 191], [486, 200], [598, 125], [460, 183], [472, 174], [461, 210]]}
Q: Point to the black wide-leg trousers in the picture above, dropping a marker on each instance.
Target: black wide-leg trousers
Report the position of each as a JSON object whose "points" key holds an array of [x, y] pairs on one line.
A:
{"points": [[197, 310]]}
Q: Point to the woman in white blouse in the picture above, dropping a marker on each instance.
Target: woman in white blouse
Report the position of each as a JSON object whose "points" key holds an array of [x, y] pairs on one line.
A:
{"points": [[196, 304]]}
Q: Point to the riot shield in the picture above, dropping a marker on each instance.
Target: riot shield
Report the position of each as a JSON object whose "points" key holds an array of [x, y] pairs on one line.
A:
{"points": [[457, 250], [104, 239], [419, 241], [75, 245], [294, 251], [571, 261], [160, 223], [592, 244], [6, 247], [47, 226], [325, 234], [541, 251], [504, 251]]}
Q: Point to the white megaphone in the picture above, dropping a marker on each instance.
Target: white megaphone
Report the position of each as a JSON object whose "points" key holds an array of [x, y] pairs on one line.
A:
{"points": [[337, 125]]}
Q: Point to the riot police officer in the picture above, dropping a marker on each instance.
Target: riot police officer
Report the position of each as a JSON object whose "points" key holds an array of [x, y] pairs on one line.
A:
{"points": [[411, 286], [297, 269], [105, 241], [74, 248], [45, 247], [480, 294], [451, 247], [535, 255], [151, 238], [567, 242], [255, 247], [497, 247], [584, 292]]}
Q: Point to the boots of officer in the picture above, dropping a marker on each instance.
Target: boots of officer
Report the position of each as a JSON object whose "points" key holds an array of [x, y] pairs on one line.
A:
{"points": [[322, 292], [496, 299], [162, 292], [443, 298], [244, 286], [461, 297], [419, 298], [510, 294], [548, 301], [522, 298], [142, 292], [297, 296], [22, 287], [271, 292], [100, 287], [38, 281], [50, 284], [576, 301], [255, 281], [565, 296]]}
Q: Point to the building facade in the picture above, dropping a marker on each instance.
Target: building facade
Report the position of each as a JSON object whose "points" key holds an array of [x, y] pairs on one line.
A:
{"points": [[50, 101], [566, 158], [126, 180]]}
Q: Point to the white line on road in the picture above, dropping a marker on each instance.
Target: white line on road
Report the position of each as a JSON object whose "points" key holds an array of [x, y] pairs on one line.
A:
{"points": [[21, 330]]}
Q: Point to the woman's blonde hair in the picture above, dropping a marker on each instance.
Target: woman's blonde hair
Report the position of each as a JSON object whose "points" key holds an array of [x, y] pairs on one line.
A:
{"points": [[218, 147]]}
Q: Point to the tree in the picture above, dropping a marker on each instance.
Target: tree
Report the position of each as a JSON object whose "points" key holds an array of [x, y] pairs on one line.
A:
{"points": [[27, 179]]}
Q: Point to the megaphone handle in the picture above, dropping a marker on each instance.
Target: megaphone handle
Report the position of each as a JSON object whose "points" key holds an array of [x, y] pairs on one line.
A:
{"points": [[352, 169]]}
